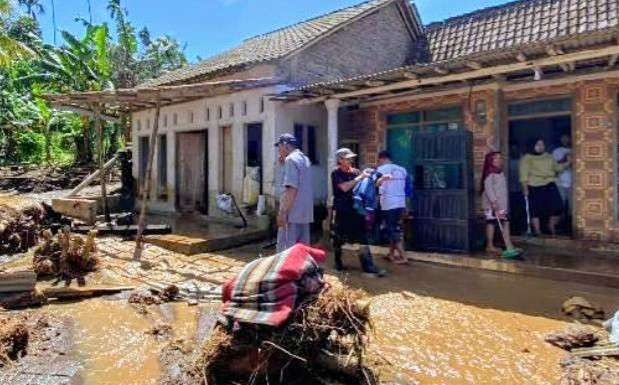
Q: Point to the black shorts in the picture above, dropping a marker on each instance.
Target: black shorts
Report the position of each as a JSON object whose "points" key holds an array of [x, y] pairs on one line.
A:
{"points": [[545, 201]]}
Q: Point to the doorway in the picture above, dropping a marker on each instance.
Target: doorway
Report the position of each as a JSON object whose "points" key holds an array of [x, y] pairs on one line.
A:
{"points": [[254, 160], [191, 166], [551, 121]]}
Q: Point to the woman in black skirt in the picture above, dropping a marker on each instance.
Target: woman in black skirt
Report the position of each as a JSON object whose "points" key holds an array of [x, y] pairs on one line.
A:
{"points": [[538, 174]]}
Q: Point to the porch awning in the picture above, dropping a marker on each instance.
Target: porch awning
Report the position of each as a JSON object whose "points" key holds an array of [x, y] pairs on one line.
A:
{"points": [[111, 104]]}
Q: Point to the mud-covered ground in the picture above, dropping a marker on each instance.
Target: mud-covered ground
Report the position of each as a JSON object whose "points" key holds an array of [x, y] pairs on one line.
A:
{"points": [[432, 324], [38, 179]]}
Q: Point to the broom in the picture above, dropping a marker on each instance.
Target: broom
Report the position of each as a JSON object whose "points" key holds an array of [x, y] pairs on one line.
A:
{"points": [[507, 253]]}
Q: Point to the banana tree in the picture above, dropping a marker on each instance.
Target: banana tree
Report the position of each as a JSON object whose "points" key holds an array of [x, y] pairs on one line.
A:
{"points": [[11, 49]]}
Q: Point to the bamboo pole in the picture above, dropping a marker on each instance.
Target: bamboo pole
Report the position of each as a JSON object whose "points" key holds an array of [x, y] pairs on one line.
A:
{"points": [[102, 175], [146, 186]]}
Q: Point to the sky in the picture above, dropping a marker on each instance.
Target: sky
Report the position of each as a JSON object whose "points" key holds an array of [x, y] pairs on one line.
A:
{"points": [[208, 27]]}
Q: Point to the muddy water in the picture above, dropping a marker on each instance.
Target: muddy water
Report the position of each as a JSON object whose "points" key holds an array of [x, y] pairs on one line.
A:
{"points": [[111, 342], [434, 341]]}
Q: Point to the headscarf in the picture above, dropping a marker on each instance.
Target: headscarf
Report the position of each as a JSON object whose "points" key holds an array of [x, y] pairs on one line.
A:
{"points": [[532, 143], [489, 168]]}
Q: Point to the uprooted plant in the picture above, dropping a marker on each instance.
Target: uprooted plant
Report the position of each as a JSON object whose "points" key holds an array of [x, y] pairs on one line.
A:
{"points": [[325, 337], [66, 254]]}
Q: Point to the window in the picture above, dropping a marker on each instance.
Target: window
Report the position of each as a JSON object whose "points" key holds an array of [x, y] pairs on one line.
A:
{"points": [[208, 114], [244, 108], [400, 128], [437, 120], [220, 113], [190, 117], [306, 137], [175, 119], [539, 107]]}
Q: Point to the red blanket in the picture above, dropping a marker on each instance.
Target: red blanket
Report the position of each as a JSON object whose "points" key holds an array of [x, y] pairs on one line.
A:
{"points": [[267, 289]]}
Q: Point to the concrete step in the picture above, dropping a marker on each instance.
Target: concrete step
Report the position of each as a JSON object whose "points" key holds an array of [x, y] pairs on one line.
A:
{"points": [[208, 242]]}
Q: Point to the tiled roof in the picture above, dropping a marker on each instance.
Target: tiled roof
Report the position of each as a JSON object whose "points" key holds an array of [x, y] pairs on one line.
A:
{"points": [[519, 23], [270, 46]]}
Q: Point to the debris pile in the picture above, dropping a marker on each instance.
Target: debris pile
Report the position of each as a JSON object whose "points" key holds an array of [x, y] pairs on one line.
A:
{"points": [[65, 254], [581, 309], [19, 227], [13, 340], [149, 297], [324, 338], [25, 179], [575, 336], [580, 371]]}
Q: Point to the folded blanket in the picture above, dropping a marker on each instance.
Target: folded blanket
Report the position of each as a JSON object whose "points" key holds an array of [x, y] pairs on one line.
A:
{"points": [[267, 290]]}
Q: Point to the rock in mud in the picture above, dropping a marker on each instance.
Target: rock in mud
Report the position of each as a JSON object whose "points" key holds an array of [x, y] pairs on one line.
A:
{"points": [[143, 297], [161, 331], [169, 293], [574, 336], [579, 371], [13, 340]]}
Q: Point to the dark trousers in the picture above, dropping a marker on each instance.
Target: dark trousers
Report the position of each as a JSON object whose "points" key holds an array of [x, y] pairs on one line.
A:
{"points": [[350, 227]]}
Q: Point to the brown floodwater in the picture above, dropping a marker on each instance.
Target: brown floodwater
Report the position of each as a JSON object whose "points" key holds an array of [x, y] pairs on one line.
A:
{"points": [[451, 326], [110, 338]]}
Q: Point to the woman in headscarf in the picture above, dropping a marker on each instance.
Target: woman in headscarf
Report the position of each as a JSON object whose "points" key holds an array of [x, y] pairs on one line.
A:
{"points": [[494, 200], [538, 175]]}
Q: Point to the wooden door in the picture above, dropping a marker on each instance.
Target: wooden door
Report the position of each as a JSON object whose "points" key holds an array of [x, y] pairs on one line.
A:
{"points": [[226, 156], [191, 171]]}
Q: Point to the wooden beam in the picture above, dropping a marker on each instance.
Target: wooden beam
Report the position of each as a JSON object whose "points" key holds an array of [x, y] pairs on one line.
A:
{"points": [[101, 155], [146, 186], [90, 178], [485, 72], [474, 65], [84, 112]]}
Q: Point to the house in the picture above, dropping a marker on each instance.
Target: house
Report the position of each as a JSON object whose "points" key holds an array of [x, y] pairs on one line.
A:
{"points": [[507, 73], [370, 76], [224, 143]]}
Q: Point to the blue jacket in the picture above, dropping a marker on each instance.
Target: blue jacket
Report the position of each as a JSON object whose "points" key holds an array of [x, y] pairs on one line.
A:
{"points": [[365, 195]]}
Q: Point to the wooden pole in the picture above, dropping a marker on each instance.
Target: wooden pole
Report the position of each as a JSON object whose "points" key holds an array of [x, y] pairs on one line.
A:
{"points": [[146, 185], [102, 174]]}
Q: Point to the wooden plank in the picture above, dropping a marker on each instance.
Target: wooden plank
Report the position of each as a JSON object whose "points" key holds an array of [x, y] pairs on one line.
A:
{"points": [[83, 292], [603, 350], [83, 209], [124, 230], [91, 178], [17, 281]]}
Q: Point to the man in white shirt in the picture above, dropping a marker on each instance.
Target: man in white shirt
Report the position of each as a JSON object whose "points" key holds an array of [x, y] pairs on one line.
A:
{"points": [[392, 191], [564, 180]]}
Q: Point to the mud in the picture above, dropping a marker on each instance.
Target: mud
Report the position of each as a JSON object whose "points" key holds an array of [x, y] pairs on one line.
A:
{"points": [[20, 222], [574, 336], [37, 179], [577, 371]]}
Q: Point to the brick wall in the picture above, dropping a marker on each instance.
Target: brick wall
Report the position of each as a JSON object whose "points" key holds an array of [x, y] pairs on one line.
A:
{"points": [[368, 125], [377, 42], [595, 138], [595, 131]]}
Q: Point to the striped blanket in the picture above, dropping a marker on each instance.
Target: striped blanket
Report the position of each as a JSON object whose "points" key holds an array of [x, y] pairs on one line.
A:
{"points": [[267, 290]]}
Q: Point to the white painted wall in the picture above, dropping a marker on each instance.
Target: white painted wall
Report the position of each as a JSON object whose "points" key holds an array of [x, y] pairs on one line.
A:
{"points": [[276, 118]]}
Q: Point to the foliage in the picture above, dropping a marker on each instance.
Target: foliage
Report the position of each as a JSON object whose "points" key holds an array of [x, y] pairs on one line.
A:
{"points": [[101, 58]]}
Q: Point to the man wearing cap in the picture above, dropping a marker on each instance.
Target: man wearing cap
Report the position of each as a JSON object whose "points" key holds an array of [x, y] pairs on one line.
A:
{"points": [[296, 205], [349, 225]]}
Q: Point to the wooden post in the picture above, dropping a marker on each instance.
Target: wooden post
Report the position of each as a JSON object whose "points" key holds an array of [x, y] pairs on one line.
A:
{"points": [[102, 174], [152, 145]]}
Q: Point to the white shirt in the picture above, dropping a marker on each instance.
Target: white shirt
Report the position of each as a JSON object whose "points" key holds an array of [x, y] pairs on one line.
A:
{"points": [[392, 192], [565, 176]]}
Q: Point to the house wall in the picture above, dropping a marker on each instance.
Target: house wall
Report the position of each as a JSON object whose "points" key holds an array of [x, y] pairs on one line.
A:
{"points": [[142, 123], [316, 115], [377, 42], [595, 130], [276, 119]]}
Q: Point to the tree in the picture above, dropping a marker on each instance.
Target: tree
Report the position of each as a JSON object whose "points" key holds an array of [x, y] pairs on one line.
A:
{"points": [[160, 55], [123, 53], [33, 7], [11, 49]]}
